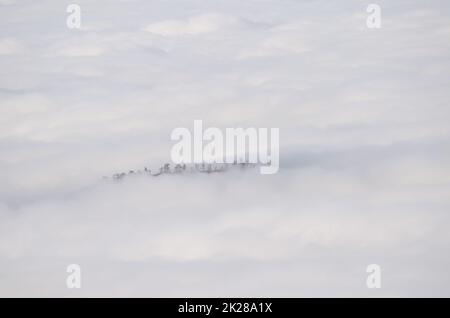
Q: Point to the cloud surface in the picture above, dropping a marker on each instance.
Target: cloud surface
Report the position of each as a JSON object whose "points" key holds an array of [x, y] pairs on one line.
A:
{"points": [[364, 132]]}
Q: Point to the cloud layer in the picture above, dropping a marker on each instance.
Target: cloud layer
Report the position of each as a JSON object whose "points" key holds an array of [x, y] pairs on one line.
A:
{"points": [[363, 117]]}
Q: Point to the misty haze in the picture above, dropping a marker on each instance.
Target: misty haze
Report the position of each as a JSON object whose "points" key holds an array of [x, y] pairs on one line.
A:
{"points": [[86, 116]]}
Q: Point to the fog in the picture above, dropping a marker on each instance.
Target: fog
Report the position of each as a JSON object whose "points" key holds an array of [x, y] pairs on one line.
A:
{"points": [[364, 148]]}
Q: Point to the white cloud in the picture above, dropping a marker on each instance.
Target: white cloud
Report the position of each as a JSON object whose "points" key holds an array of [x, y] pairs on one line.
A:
{"points": [[10, 47], [363, 120], [199, 24], [80, 51], [7, 2]]}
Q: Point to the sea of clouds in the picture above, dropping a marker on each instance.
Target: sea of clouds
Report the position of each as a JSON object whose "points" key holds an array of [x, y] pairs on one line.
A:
{"points": [[364, 144]]}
